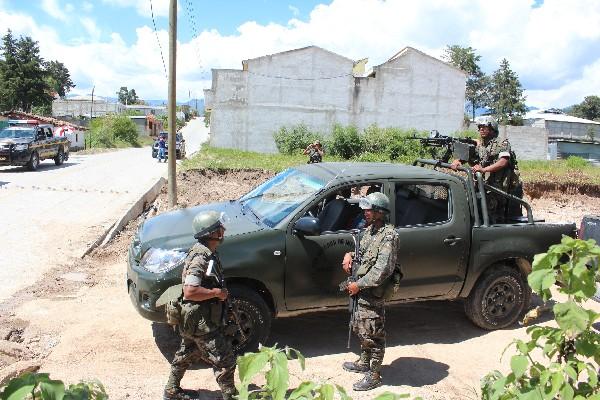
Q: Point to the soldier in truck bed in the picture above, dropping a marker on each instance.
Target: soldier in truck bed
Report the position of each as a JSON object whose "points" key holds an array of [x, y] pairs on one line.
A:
{"points": [[497, 159]]}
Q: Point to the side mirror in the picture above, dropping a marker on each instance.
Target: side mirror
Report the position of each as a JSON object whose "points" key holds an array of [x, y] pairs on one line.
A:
{"points": [[308, 226]]}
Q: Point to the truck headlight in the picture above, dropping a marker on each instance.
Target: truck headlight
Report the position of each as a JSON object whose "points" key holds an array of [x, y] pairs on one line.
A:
{"points": [[21, 147], [161, 260]]}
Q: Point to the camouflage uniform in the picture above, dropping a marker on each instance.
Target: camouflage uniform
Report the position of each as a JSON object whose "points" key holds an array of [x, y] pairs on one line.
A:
{"points": [[202, 327], [507, 179], [379, 251], [314, 156]]}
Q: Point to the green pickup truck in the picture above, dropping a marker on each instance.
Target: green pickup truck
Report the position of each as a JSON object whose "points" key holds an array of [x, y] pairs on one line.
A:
{"points": [[285, 241]]}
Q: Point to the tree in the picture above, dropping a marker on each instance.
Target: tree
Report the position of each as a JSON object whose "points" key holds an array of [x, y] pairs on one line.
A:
{"points": [[589, 108], [58, 77], [128, 96], [506, 98], [478, 83], [26, 80]]}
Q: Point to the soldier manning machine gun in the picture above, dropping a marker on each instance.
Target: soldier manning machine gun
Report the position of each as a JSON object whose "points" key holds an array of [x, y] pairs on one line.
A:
{"points": [[457, 148]]}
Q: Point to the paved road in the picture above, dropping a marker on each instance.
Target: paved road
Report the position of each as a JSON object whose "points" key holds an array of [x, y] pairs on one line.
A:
{"points": [[54, 214]]}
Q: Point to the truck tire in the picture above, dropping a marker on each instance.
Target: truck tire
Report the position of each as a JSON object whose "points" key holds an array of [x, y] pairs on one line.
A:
{"points": [[499, 298], [60, 156], [255, 319], [34, 161]]}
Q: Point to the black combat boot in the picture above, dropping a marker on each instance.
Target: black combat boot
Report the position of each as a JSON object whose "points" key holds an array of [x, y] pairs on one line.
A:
{"points": [[370, 381], [360, 365], [176, 393]]}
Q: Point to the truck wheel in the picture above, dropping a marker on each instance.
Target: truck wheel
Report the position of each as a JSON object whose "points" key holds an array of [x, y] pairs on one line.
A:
{"points": [[255, 319], [499, 298], [60, 156], [34, 161]]}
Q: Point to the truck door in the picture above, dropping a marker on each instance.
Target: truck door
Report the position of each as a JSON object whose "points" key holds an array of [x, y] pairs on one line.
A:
{"points": [[313, 269], [433, 220]]}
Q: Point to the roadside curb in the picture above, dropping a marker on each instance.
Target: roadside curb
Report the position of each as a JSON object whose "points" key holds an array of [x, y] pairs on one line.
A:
{"points": [[136, 209]]}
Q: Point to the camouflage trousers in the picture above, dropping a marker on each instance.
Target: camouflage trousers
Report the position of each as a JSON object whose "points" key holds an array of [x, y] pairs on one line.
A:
{"points": [[369, 326], [215, 350], [500, 209]]}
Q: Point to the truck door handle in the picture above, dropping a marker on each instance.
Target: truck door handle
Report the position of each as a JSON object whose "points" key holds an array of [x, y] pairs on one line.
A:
{"points": [[451, 240]]}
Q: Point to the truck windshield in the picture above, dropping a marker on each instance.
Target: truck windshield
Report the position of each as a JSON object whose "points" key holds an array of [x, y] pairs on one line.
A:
{"points": [[11, 133], [276, 198]]}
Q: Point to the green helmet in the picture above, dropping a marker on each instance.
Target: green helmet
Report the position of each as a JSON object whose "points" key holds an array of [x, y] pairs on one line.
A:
{"points": [[206, 222], [492, 125], [375, 201]]}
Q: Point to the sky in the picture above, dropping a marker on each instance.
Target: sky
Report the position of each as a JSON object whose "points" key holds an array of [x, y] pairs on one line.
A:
{"points": [[552, 45]]}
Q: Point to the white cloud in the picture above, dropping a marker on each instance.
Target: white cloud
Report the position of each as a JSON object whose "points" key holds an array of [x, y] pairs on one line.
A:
{"points": [[69, 8], [52, 8], [295, 11], [554, 48], [159, 7], [91, 28], [87, 6]]}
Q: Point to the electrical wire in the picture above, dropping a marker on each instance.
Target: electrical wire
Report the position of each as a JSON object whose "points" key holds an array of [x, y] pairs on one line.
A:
{"points": [[158, 40]]}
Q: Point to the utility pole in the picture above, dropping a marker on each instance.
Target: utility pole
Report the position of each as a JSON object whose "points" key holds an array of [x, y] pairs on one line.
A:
{"points": [[91, 114], [172, 183]]}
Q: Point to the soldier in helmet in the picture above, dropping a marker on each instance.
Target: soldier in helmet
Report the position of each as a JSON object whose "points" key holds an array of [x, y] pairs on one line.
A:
{"points": [[202, 321], [379, 249], [498, 161]]}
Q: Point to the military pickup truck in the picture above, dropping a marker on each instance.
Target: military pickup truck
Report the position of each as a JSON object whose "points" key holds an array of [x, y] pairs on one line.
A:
{"points": [[27, 143], [286, 238]]}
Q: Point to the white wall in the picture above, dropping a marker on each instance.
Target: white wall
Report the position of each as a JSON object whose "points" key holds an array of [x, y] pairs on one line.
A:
{"points": [[315, 87]]}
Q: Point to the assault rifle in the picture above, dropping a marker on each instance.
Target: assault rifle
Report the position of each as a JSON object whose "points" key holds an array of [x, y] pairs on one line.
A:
{"points": [[353, 304], [229, 306], [458, 148]]}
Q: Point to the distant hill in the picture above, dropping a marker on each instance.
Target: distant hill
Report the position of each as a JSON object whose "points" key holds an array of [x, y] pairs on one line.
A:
{"points": [[191, 103]]}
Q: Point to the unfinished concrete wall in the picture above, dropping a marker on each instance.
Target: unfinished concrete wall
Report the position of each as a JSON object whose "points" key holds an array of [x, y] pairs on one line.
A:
{"points": [[76, 108], [528, 143], [315, 87]]}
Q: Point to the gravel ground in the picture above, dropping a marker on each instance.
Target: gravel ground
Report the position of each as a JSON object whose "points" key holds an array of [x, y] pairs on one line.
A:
{"points": [[77, 322]]}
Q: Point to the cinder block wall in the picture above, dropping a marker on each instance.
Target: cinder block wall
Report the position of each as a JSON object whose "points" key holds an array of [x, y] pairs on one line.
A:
{"points": [[527, 142]]}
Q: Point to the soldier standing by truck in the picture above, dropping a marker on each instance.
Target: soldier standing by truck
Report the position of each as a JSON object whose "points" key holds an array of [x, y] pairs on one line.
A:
{"points": [[498, 160], [376, 274], [202, 321]]}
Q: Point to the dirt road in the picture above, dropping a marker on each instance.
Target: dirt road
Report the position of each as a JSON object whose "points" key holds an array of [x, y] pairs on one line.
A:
{"points": [[77, 322]]}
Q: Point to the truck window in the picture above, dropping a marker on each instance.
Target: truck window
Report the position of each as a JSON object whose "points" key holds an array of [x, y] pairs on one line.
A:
{"points": [[422, 204], [339, 210]]}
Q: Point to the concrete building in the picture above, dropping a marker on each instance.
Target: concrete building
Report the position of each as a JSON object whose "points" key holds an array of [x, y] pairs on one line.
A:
{"points": [[147, 110], [563, 126], [82, 106], [319, 89], [147, 125]]}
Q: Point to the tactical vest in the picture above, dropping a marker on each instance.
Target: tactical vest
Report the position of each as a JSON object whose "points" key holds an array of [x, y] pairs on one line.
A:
{"points": [[508, 179], [199, 318], [368, 259]]}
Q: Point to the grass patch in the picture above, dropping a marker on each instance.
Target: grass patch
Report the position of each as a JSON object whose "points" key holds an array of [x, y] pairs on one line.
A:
{"points": [[571, 171], [218, 158]]}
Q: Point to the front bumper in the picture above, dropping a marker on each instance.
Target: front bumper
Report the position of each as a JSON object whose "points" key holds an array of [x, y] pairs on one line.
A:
{"points": [[21, 157], [145, 287]]}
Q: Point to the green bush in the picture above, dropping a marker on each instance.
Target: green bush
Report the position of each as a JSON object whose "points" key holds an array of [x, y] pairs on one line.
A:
{"points": [[345, 142], [559, 362], [39, 386], [113, 131], [295, 139], [574, 162]]}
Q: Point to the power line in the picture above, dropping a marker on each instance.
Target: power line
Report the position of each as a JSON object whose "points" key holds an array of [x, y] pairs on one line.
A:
{"points": [[158, 40]]}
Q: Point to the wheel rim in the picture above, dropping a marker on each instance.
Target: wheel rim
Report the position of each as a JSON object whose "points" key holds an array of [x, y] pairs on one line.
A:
{"points": [[500, 299], [60, 157], [35, 160], [247, 326]]}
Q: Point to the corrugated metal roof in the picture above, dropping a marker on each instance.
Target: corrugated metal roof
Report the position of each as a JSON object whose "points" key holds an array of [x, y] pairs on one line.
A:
{"points": [[559, 117]]}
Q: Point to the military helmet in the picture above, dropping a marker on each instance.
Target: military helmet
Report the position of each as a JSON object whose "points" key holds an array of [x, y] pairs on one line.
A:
{"points": [[375, 201], [492, 125], [206, 222]]}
